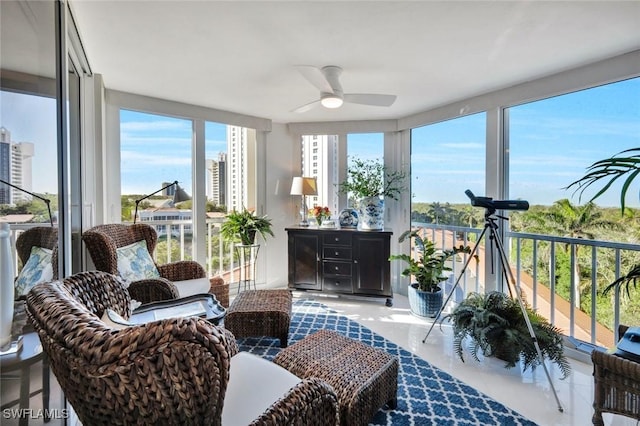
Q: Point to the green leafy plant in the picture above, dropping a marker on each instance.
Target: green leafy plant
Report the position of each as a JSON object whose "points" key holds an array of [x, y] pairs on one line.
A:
{"points": [[625, 163], [243, 225], [496, 326], [370, 178], [430, 263]]}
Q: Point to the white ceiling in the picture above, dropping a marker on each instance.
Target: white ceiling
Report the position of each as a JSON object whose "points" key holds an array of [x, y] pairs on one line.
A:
{"points": [[240, 56]]}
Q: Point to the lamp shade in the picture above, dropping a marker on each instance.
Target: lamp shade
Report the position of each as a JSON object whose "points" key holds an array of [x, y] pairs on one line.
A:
{"points": [[304, 186], [180, 195]]}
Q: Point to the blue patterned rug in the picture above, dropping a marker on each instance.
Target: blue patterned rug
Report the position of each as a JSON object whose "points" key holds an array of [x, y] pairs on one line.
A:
{"points": [[426, 395]]}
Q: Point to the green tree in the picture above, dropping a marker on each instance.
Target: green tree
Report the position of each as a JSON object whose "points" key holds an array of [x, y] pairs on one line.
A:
{"points": [[568, 220]]}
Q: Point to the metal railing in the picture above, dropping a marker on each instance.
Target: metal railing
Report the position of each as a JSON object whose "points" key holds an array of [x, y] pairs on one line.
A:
{"points": [[533, 257]]}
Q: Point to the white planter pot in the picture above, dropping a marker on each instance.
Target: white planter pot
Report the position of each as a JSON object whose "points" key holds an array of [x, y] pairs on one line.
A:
{"points": [[371, 214], [6, 285]]}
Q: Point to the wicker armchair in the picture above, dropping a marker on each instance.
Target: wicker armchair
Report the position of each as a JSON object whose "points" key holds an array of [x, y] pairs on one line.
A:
{"points": [[102, 241], [40, 236], [171, 372], [616, 385]]}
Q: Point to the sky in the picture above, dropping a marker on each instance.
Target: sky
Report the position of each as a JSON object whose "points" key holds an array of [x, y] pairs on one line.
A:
{"points": [[552, 142]]}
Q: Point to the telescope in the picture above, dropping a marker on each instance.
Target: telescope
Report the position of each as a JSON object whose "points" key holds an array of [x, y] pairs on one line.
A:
{"points": [[490, 203]]}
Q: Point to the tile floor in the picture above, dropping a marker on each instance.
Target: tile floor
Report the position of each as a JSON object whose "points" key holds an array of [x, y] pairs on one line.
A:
{"points": [[528, 393]]}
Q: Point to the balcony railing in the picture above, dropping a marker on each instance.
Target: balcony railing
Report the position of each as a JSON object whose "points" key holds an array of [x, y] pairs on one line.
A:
{"points": [[532, 257]]}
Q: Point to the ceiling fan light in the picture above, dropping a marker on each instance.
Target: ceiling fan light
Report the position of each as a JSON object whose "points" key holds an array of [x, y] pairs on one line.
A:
{"points": [[331, 101]]}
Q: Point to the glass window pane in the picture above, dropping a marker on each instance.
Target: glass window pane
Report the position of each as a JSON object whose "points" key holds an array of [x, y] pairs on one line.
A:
{"points": [[28, 129], [156, 151], [448, 158], [319, 160]]}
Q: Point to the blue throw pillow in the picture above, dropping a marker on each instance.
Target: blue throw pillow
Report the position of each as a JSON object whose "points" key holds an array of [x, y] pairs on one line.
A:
{"points": [[135, 262], [38, 269]]}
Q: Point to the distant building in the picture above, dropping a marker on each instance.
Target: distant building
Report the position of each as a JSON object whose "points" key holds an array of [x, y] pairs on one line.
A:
{"points": [[217, 179], [168, 214], [170, 191], [15, 168], [319, 160], [240, 168]]}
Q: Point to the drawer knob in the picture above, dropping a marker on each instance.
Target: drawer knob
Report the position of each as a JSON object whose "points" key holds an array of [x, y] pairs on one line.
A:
{"points": [[337, 283], [336, 268], [336, 253], [355, 261], [337, 239]]}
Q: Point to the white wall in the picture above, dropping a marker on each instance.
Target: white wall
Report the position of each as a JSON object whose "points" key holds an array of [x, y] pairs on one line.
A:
{"points": [[282, 152]]}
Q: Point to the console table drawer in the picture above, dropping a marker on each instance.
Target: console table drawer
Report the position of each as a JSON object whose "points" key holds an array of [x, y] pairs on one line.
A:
{"points": [[337, 284], [337, 239], [337, 268], [341, 253]]}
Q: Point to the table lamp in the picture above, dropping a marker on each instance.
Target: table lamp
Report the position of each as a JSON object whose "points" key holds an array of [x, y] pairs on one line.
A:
{"points": [[304, 186], [178, 196]]}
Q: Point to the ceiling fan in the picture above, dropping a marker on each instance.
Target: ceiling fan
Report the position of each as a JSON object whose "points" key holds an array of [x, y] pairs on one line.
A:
{"points": [[326, 79]]}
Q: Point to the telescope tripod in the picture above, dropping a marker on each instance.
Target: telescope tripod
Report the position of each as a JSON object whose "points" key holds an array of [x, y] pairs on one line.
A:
{"points": [[491, 227]]}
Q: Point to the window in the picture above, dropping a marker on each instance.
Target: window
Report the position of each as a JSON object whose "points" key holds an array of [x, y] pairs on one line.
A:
{"points": [[321, 166], [155, 151], [448, 158]]}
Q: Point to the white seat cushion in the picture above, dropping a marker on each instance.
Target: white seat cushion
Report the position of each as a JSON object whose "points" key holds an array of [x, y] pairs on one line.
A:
{"points": [[254, 385], [194, 286]]}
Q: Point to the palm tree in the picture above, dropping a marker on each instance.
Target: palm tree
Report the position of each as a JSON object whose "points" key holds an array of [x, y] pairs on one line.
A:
{"points": [[436, 211], [568, 220]]}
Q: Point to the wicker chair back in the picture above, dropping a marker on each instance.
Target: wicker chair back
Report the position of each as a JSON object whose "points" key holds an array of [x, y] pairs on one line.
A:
{"points": [[172, 372]]}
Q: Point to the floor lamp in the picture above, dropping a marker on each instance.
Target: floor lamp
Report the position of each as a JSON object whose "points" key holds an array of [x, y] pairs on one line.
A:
{"points": [[304, 186], [178, 196], [46, 200]]}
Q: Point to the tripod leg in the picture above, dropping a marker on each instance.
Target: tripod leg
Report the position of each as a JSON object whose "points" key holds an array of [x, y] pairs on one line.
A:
{"points": [[512, 282], [455, 285]]}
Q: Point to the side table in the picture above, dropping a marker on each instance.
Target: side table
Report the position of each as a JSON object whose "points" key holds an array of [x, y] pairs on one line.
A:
{"points": [[247, 255], [22, 360]]}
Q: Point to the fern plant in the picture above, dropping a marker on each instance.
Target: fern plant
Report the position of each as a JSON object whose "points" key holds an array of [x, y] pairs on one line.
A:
{"points": [[496, 327]]}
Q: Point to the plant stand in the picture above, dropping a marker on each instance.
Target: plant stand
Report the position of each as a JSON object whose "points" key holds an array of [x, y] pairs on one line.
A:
{"points": [[247, 256]]}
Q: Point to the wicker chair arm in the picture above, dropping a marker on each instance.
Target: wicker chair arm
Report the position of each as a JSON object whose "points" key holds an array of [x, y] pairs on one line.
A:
{"points": [[153, 290], [182, 270], [312, 402]]}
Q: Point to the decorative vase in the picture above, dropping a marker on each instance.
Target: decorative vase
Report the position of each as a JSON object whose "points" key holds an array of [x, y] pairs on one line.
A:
{"points": [[348, 218], [372, 213], [6, 285], [425, 304]]}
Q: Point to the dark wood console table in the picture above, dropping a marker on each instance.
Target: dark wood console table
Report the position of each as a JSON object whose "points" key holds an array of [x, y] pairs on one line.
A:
{"points": [[345, 261]]}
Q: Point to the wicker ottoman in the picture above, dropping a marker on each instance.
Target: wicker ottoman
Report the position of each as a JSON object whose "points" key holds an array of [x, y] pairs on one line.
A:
{"points": [[363, 377], [260, 313]]}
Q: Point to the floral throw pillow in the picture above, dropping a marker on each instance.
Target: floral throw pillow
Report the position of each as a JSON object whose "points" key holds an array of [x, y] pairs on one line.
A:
{"points": [[38, 269], [135, 262]]}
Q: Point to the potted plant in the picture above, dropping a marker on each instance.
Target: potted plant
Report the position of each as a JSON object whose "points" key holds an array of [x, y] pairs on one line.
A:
{"points": [[427, 268], [495, 325], [243, 225], [369, 182]]}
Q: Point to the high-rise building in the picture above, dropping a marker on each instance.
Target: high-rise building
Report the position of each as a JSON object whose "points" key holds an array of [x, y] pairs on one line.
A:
{"points": [[241, 153], [319, 160], [217, 179], [15, 168]]}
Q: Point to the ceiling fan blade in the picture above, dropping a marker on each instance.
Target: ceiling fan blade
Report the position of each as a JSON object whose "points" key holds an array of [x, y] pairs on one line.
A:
{"points": [[307, 107], [316, 77], [370, 99]]}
